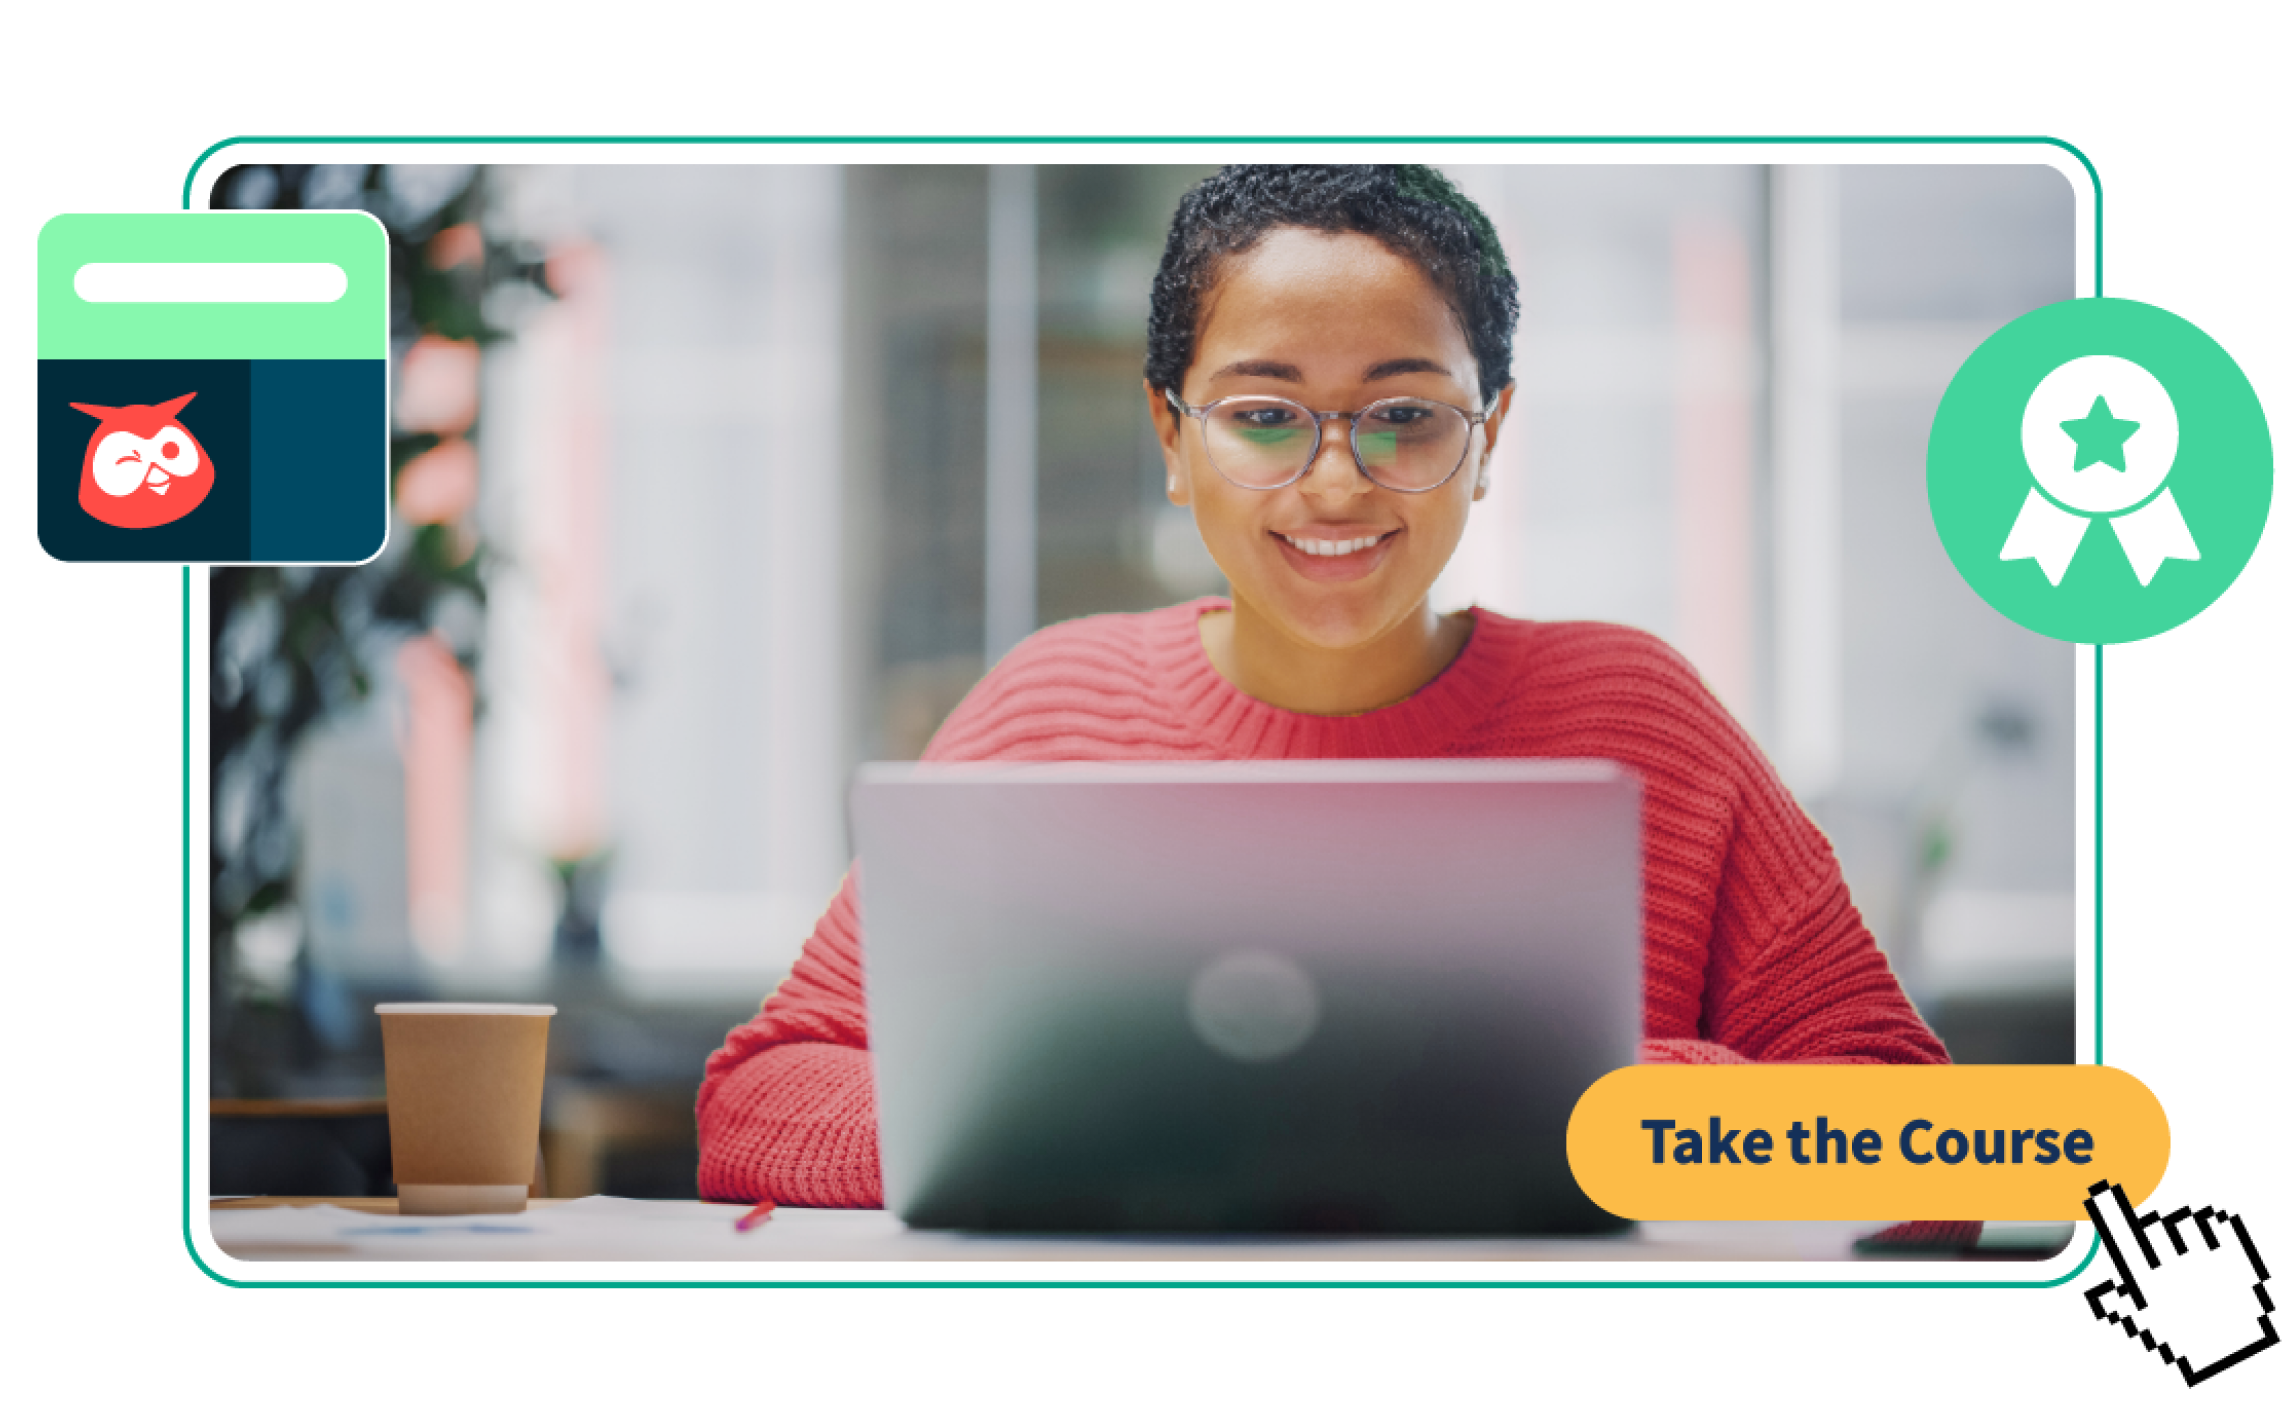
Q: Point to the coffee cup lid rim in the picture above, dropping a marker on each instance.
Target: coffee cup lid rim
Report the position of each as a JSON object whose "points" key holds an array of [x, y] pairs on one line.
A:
{"points": [[462, 1009]]}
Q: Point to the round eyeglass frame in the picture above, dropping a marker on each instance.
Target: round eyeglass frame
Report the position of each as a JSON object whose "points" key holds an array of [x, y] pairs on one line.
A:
{"points": [[1316, 421]]}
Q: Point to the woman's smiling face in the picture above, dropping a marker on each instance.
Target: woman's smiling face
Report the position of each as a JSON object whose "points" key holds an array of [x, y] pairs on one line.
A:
{"points": [[1333, 321]]}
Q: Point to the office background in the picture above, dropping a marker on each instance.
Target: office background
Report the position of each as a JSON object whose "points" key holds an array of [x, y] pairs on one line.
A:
{"points": [[714, 481]]}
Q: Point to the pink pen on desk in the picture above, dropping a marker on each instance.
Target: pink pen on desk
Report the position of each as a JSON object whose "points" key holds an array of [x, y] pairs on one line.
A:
{"points": [[757, 1216]]}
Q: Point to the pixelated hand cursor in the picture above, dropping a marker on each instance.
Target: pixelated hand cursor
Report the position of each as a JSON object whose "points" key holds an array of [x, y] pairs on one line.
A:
{"points": [[2202, 1304]]}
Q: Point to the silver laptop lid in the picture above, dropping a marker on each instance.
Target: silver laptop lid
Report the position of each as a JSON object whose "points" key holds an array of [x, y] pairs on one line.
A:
{"points": [[1252, 995]]}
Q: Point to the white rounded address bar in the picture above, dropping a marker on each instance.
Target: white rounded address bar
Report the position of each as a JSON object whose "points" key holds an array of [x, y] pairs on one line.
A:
{"points": [[156, 282]]}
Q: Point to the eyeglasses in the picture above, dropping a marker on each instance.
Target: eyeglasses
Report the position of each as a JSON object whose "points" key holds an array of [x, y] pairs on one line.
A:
{"points": [[1263, 442]]}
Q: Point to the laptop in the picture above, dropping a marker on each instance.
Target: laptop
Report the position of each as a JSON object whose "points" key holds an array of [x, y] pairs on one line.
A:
{"points": [[1250, 997]]}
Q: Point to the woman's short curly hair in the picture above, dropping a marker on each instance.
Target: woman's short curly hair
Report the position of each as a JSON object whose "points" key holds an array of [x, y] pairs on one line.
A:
{"points": [[1415, 210]]}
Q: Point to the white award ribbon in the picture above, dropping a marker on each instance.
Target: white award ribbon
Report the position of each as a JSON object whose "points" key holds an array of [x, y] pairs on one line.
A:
{"points": [[2051, 533], [2064, 496]]}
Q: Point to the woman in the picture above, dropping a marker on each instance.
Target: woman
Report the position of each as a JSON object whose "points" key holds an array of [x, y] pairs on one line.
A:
{"points": [[1328, 373]]}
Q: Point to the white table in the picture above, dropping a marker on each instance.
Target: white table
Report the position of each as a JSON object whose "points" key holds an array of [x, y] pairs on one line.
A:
{"points": [[603, 1229]]}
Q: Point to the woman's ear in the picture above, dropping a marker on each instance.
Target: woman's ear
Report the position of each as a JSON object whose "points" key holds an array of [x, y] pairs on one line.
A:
{"points": [[1167, 421], [1491, 428]]}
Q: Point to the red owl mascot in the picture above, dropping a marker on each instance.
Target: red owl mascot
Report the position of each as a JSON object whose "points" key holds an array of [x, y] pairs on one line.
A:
{"points": [[142, 467]]}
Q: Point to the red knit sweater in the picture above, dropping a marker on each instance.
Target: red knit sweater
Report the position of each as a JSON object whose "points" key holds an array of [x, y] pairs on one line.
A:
{"points": [[1751, 947]]}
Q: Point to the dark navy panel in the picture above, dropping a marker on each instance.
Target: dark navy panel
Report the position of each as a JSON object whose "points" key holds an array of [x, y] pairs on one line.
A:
{"points": [[321, 460], [218, 530]]}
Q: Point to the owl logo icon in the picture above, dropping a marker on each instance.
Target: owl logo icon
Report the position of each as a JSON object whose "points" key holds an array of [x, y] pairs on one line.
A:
{"points": [[143, 468]]}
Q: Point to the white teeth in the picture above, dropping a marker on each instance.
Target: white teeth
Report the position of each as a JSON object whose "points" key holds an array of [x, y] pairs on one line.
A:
{"points": [[1318, 548]]}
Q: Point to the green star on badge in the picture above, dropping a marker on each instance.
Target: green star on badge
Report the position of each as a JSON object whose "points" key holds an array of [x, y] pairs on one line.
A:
{"points": [[2100, 436]]}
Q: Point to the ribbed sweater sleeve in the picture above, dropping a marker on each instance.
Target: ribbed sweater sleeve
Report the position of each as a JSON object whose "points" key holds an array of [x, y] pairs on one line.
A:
{"points": [[1815, 990], [1790, 973], [785, 1111]]}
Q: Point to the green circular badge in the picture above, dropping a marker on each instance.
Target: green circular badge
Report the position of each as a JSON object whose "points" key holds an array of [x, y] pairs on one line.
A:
{"points": [[2099, 470]]}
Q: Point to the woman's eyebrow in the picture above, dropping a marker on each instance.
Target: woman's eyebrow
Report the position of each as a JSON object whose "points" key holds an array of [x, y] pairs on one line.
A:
{"points": [[1261, 370], [1410, 366], [1279, 370]]}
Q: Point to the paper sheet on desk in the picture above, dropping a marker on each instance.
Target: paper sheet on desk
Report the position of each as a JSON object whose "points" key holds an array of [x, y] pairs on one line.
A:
{"points": [[598, 1227], [574, 1218], [324, 1223]]}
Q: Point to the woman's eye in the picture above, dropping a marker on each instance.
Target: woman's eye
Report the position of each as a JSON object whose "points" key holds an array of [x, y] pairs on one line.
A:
{"points": [[1263, 418]]}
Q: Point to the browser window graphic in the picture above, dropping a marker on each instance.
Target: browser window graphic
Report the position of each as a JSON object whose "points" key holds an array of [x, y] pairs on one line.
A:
{"points": [[213, 388]]}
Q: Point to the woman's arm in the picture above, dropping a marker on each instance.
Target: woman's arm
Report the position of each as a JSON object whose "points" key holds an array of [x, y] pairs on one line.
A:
{"points": [[785, 1113], [1811, 987]]}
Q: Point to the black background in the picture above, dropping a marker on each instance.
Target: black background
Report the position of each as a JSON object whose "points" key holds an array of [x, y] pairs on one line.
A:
{"points": [[219, 529], [2191, 807]]}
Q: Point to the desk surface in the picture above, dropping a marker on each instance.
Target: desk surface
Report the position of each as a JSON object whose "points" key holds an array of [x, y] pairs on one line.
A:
{"points": [[603, 1229]]}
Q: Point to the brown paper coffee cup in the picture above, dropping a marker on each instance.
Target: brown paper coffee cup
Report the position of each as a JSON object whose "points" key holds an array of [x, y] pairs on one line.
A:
{"points": [[464, 1085]]}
